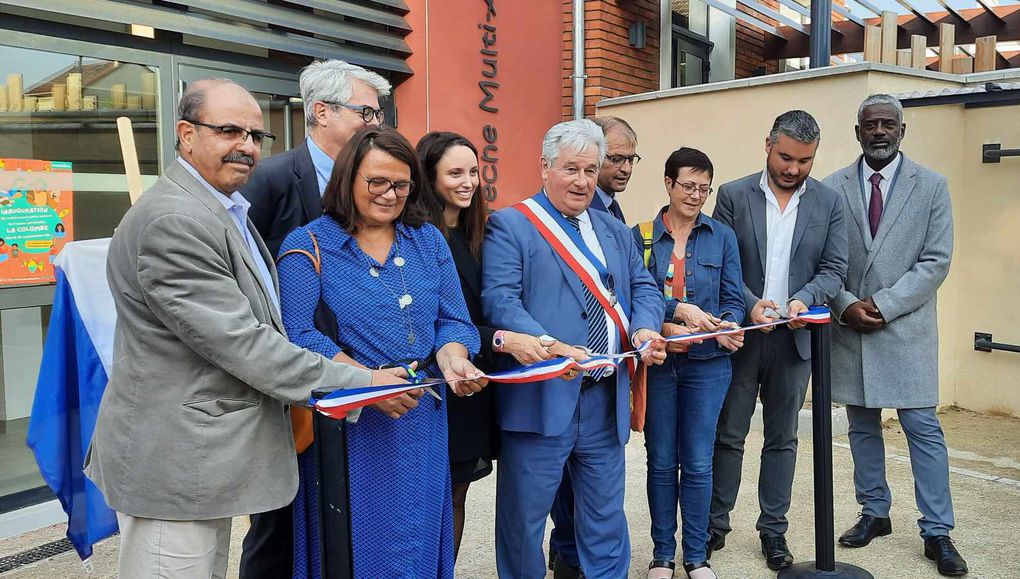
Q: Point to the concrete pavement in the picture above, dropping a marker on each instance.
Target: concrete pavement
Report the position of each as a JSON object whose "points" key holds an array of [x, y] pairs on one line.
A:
{"points": [[985, 458]]}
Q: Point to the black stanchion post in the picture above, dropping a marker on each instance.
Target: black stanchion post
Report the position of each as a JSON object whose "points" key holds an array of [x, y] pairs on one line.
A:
{"points": [[825, 564], [335, 547]]}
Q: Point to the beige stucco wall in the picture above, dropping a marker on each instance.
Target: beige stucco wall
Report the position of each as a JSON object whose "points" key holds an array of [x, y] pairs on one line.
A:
{"points": [[729, 122]]}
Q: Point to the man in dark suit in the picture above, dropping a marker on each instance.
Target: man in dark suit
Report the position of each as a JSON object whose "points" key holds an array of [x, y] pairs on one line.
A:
{"points": [[793, 253], [285, 192], [614, 174]]}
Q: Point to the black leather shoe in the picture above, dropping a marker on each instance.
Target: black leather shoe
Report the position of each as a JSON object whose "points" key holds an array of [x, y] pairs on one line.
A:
{"points": [[777, 554], [716, 542], [562, 570], [942, 550], [866, 529]]}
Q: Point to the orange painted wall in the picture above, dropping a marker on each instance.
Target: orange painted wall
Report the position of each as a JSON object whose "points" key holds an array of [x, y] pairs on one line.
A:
{"points": [[444, 92]]}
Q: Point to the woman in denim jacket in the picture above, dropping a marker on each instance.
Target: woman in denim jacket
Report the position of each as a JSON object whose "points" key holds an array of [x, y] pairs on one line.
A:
{"points": [[695, 261]]}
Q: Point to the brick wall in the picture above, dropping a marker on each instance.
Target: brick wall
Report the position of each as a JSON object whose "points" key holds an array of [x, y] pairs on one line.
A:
{"points": [[750, 46], [614, 67]]}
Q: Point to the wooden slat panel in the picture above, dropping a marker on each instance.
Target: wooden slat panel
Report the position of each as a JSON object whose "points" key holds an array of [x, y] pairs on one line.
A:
{"points": [[175, 20], [872, 44], [918, 51], [963, 65], [888, 37], [984, 57], [343, 8], [903, 57], [947, 46], [254, 11]]}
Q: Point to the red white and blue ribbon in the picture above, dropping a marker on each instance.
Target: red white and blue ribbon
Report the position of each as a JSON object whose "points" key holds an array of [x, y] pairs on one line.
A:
{"points": [[337, 404]]}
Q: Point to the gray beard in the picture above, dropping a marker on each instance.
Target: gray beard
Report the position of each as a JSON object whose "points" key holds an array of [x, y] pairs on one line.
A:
{"points": [[884, 153]]}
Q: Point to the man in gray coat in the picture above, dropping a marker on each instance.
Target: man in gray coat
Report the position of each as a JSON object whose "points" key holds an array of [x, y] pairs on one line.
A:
{"points": [[885, 344], [193, 428], [792, 239]]}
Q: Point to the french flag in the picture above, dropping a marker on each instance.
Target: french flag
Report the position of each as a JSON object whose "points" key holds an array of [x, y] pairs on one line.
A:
{"points": [[75, 365]]}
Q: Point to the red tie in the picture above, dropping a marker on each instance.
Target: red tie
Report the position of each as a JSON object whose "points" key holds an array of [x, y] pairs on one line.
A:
{"points": [[875, 208]]}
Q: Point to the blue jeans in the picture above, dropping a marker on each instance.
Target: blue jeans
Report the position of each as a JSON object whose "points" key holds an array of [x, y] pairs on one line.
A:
{"points": [[684, 400]]}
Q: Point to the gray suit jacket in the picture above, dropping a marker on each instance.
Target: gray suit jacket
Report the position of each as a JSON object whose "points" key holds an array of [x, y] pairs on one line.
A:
{"points": [[193, 424], [901, 269], [818, 258]]}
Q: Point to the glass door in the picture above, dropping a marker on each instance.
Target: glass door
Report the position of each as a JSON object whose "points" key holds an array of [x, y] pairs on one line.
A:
{"points": [[61, 180], [689, 54]]}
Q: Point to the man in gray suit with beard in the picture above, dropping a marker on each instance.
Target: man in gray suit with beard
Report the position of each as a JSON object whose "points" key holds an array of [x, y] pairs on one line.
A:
{"points": [[793, 253], [885, 344], [193, 428]]}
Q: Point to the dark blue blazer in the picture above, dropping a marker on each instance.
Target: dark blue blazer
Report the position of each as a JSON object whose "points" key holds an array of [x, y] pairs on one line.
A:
{"points": [[284, 195], [527, 288]]}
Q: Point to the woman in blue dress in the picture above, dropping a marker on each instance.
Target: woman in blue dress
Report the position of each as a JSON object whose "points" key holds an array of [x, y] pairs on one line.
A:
{"points": [[389, 278]]}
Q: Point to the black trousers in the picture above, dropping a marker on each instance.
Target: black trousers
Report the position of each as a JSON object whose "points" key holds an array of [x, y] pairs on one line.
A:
{"points": [[268, 548]]}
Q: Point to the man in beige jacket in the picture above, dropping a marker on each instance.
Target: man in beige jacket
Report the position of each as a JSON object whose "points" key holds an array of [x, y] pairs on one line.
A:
{"points": [[193, 428]]}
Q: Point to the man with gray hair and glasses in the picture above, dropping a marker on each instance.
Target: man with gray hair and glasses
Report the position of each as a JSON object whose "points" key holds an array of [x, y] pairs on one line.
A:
{"points": [[555, 269], [885, 341], [793, 252], [614, 174], [286, 190], [286, 193]]}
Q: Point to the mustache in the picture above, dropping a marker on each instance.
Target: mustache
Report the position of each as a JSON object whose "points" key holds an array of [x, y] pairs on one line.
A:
{"points": [[242, 158]]}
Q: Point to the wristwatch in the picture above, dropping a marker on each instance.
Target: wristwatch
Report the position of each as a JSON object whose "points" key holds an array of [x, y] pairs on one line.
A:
{"points": [[498, 340]]}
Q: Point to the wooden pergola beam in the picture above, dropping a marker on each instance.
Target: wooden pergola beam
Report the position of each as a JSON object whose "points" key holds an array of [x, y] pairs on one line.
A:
{"points": [[975, 24], [989, 9]]}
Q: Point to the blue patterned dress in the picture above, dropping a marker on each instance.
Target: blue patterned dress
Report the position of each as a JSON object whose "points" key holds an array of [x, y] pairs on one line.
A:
{"points": [[401, 508]]}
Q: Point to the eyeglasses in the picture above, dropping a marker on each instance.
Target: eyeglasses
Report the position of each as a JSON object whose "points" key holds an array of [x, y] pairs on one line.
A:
{"points": [[692, 188], [379, 186], [618, 160], [367, 112], [236, 134]]}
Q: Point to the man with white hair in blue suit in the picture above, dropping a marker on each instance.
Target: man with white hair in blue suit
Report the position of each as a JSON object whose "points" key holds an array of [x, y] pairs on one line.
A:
{"points": [[554, 269]]}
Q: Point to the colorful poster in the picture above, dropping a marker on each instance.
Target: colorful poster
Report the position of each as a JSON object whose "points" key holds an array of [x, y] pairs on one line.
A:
{"points": [[36, 202]]}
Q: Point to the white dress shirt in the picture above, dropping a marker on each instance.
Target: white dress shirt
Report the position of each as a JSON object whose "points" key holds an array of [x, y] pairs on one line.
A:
{"points": [[887, 172], [592, 241], [779, 227], [237, 206]]}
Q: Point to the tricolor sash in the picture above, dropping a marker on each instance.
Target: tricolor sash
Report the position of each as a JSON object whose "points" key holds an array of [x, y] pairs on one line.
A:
{"points": [[571, 248]]}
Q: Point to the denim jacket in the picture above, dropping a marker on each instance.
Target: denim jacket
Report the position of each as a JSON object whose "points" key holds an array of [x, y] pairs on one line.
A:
{"points": [[714, 280]]}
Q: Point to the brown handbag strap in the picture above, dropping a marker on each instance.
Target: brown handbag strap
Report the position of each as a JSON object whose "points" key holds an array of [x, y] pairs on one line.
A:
{"points": [[315, 259]]}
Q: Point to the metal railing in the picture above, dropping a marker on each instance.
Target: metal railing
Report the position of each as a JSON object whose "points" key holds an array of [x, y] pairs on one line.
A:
{"points": [[983, 343], [993, 153]]}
